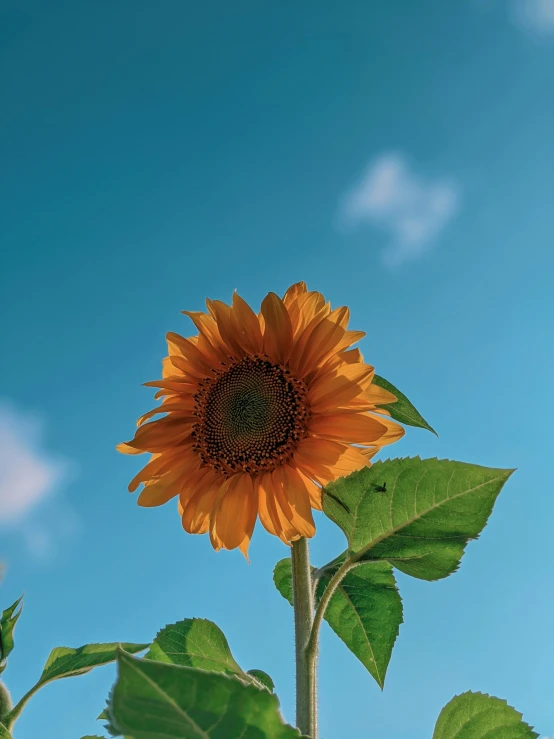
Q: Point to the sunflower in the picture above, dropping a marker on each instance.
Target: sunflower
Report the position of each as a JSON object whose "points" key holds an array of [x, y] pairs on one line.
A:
{"points": [[260, 412]]}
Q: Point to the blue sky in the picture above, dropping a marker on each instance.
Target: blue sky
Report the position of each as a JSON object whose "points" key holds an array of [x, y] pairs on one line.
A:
{"points": [[396, 156]]}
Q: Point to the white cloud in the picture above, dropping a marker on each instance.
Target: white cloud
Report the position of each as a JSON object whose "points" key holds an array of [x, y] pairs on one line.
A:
{"points": [[535, 16], [28, 474], [29, 477], [411, 208]]}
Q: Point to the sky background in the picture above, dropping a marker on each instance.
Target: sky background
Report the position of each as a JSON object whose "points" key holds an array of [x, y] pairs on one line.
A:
{"points": [[398, 157]]}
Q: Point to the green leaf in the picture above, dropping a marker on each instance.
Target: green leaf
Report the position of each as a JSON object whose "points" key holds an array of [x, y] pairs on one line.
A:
{"points": [[402, 410], [423, 520], [480, 716], [8, 620], [151, 700], [365, 610], [66, 662], [197, 642], [263, 678], [194, 642], [4, 733]]}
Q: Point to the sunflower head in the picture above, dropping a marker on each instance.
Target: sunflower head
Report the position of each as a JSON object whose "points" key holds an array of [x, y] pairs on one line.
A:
{"points": [[259, 412]]}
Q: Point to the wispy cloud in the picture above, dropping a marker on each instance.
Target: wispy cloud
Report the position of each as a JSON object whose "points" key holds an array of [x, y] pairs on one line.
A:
{"points": [[28, 473], [535, 16], [411, 208], [29, 477]]}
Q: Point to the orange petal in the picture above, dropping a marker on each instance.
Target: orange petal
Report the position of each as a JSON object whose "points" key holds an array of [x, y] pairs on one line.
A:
{"points": [[380, 411], [181, 408], [353, 428], [157, 436], [304, 330], [393, 431], [314, 491], [349, 338], [370, 452], [246, 325], [293, 504], [235, 513], [176, 386], [227, 328], [331, 365], [186, 356], [158, 464], [271, 516], [326, 460], [212, 345], [339, 386], [298, 498], [323, 341], [305, 309], [169, 485], [125, 448], [198, 508], [351, 356], [196, 480], [294, 292], [278, 329], [170, 372], [379, 396]]}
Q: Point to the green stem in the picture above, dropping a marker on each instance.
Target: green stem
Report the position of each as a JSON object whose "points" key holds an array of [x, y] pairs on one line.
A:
{"points": [[334, 582], [306, 662], [14, 714], [5, 702]]}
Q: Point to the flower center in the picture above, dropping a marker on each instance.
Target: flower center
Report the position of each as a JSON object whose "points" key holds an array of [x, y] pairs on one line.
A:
{"points": [[251, 416]]}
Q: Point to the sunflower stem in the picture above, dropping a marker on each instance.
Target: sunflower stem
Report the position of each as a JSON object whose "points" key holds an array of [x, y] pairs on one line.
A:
{"points": [[306, 661]]}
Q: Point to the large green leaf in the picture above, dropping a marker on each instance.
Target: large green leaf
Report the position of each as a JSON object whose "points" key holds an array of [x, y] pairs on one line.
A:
{"points": [[8, 620], [480, 716], [197, 642], [66, 661], [365, 610], [418, 514], [194, 642], [151, 700], [4, 733], [402, 410]]}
